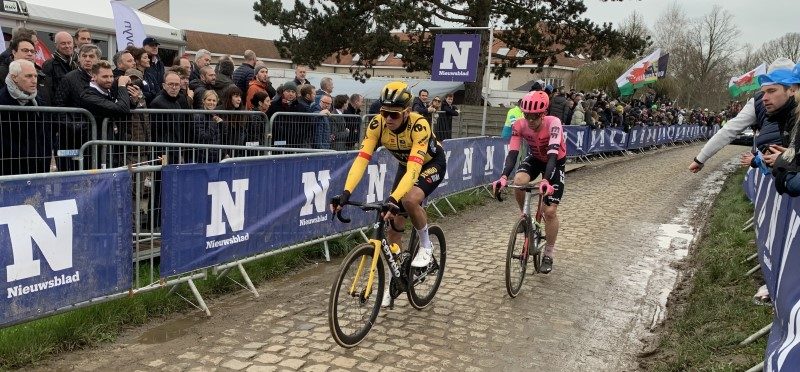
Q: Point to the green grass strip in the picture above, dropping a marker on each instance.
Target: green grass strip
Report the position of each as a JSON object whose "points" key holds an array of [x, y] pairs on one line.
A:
{"points": [[714, 311]]}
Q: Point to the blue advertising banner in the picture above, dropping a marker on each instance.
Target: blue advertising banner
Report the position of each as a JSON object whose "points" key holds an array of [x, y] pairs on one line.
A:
{"points": [[471, 162], [455, 57], [777, 222], [616, 139], [749, 184], [66, 240], [595, 143], [576, 138], [218, 213], [636, 137]]}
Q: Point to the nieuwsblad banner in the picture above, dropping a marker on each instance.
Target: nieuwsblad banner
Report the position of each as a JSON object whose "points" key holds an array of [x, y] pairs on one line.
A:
{"points": [[218, 213], [455, 57], [65, 240], [582, 140], [777, 222]]}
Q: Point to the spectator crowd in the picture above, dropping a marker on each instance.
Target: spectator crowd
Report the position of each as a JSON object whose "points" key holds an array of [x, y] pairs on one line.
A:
{"points": [[238, 101], [78, 77], [598, 110]]}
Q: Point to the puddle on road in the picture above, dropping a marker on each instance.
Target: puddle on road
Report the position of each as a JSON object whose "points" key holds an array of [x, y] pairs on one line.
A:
{"points": [[675, 238], [170, 330]]}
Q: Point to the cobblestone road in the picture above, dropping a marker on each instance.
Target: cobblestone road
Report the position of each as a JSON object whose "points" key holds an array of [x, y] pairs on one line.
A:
{"points": [[589, 314]]}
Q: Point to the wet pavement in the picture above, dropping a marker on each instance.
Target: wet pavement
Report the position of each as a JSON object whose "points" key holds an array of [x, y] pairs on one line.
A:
{"points": [[623, 223]]}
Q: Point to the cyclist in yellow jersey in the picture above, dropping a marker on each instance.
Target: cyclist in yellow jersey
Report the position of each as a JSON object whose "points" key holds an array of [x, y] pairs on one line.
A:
{"points": [[409, 138]]}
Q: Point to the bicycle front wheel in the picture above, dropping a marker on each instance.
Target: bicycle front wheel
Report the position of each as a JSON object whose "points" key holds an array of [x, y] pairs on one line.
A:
{"points": [[423, 282], [352, 310], [516, 258]]}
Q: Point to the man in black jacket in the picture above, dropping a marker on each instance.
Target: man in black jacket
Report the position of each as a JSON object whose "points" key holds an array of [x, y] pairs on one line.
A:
{"points": [[169, 127], [300, 75], [354, 104], [153, 75], [246, 71], [558, 106], [103, 102], [123, 61], [110, 105], [205, 82], [63, 61], [26, 138], [72, 86]]}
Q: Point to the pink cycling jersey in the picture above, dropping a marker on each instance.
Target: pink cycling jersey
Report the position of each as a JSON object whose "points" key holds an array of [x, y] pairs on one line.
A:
{"points": [[548, 139]]}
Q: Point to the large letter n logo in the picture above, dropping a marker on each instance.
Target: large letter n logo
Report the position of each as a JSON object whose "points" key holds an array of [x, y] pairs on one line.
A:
{"points": [[222, 202], [316, 189], [457, 53], [26, 226]]}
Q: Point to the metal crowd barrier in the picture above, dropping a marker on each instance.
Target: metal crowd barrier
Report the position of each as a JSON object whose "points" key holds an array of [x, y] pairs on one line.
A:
{"points": [[227, 134], [42, 139], [339, 132]]}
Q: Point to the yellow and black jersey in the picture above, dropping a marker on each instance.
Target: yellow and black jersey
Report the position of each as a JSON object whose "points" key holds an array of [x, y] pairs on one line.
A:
{"points": [[412, 144]]}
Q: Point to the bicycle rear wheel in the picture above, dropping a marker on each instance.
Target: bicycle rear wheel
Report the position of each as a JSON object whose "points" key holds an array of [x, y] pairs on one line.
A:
{"points": [[351, 310], [516, 258], [423, 282]]}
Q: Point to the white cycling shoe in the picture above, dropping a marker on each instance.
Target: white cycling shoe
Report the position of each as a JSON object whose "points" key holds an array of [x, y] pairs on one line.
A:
{"points": [[423, 257], [387, 298]]}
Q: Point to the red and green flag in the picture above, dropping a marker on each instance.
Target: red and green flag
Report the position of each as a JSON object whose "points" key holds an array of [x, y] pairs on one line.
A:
{"points": [[747, 82], [644, 72]]}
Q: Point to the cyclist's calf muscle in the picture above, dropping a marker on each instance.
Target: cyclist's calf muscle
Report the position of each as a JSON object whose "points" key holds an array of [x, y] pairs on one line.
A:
{"points": [[412, 203]]}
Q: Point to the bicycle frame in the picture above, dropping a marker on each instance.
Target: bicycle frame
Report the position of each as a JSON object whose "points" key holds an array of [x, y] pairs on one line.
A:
{"points": [[537, 222], [381, 249]]}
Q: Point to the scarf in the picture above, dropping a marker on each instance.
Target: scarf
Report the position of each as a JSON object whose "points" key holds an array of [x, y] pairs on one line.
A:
{"points": [[71, 61], [22, 97]]}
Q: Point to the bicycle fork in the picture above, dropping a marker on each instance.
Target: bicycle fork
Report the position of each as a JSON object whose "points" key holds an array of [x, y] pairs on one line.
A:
{"points": [[378, 244]]}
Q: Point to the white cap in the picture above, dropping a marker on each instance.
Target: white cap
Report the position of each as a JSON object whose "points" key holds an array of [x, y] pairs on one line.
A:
{"points": [[781, 63]]}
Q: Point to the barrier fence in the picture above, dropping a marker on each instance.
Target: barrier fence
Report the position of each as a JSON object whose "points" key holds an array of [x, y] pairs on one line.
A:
{"points": [[95, 230], [777, 221], [42, 139], [583, 141], [314, 130]]}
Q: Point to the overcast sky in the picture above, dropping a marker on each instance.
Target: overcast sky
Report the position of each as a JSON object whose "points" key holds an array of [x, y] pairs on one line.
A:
{"points": [[759, 21]]}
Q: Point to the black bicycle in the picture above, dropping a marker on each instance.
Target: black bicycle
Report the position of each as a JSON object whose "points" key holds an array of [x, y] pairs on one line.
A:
{"points": [[357, 293], [526, 242]]}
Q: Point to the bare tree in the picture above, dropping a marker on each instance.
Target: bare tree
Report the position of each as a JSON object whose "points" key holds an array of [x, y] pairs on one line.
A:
{"points": [[634, 26], [785, 46], [670, 30], [749, 59], [711, 46]]}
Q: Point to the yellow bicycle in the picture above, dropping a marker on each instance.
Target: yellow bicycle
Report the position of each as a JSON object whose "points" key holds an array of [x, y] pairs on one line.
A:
{"points": [[357, 293]]}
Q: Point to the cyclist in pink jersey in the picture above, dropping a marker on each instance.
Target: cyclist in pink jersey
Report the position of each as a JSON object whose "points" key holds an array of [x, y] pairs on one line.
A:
{"points": [[548, 155]]}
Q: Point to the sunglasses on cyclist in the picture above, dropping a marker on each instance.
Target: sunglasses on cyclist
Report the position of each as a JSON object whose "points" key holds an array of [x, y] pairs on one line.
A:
{"points": [[391, 114], [534, 116]]}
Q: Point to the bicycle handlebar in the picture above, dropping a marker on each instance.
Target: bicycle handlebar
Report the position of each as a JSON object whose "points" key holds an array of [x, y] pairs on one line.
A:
{"points": [[364, 206], [529, 187]]}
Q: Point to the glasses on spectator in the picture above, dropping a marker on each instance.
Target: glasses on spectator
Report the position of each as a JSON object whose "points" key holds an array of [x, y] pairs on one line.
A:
{"points": [[391, 114], [26, 50], [173, 85]]}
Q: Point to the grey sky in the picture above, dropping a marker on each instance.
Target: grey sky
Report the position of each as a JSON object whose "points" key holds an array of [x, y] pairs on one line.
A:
{"points": [[758, 21]]}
